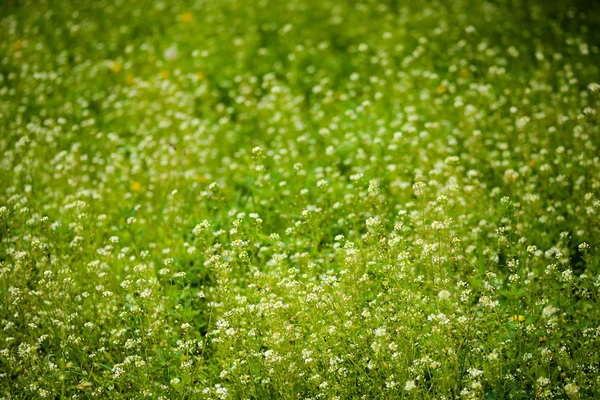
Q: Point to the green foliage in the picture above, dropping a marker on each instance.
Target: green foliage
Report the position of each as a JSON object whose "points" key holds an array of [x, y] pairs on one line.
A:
{"points": [[299, 199]]}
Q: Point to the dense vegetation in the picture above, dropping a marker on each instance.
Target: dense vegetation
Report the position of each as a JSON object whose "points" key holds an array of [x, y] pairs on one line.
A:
{"points": [[299, 199]]}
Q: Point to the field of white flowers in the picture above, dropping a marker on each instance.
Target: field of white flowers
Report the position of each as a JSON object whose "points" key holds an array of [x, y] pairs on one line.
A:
{"points": [[299, 199]]}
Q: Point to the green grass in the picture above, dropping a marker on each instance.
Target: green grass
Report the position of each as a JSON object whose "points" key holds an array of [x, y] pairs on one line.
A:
{"points": [[301, 199]]}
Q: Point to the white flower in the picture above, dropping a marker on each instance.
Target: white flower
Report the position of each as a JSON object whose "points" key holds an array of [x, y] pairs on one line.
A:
{"points": [[171, 53], [444, 294], [380, 332], [410, 385], [549, 310], [571, 389], [373, 222]]}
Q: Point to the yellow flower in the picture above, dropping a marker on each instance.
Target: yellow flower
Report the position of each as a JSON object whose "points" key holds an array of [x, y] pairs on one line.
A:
{"points": [[136, 186], [17, 45], [518, 318], [164, 74], [200, 75], [130, 80], [186, 17], [116, 67]]}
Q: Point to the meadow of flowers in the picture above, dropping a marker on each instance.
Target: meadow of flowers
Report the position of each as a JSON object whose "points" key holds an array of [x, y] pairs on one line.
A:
{"points": [[299, 199]]}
